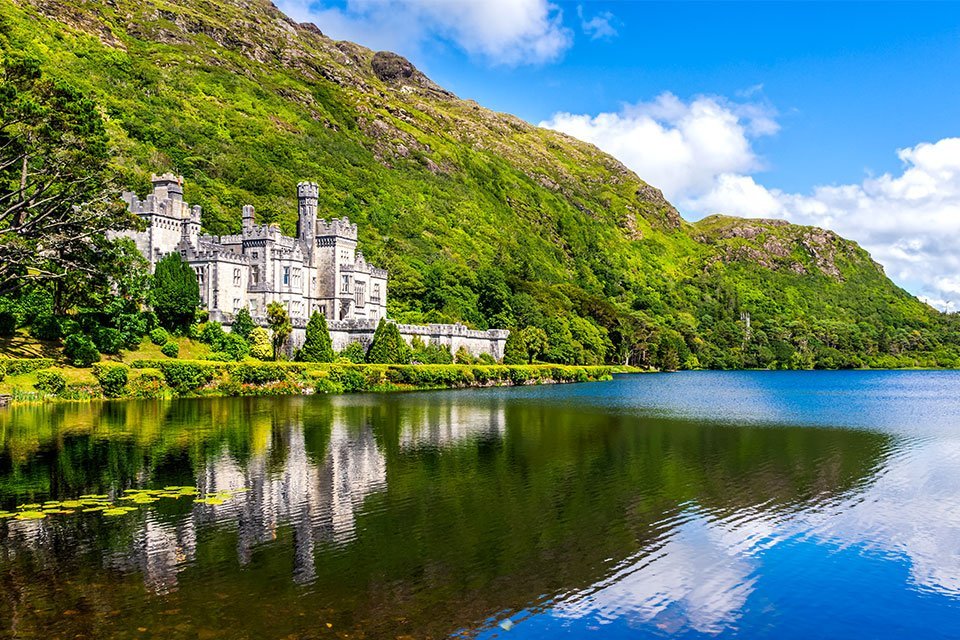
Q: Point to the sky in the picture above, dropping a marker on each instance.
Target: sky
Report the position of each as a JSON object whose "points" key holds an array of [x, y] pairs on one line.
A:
{"points": [[843, 116]]}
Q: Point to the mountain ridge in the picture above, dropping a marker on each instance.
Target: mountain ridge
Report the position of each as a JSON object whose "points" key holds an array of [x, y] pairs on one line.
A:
{"points": [[480, 216]]}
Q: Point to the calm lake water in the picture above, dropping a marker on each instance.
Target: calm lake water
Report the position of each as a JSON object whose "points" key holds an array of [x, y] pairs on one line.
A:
{"points": [[748, 504]]}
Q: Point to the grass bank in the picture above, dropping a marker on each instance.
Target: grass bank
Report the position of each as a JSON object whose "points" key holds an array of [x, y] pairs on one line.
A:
{"points": [[41, 379]]}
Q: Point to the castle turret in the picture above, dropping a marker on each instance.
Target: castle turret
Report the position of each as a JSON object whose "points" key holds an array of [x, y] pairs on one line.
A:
{"points": [[307, 196], [248, 220], [167, 185]]}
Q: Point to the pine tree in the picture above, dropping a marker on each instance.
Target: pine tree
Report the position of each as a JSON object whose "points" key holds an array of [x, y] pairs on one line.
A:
{"points": [[175, 293], [388, 346], [515, 349], [317, 346], [242, 324]]}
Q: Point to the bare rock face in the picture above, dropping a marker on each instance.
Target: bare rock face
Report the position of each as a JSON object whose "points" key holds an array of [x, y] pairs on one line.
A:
{"points": [[394, 69]]}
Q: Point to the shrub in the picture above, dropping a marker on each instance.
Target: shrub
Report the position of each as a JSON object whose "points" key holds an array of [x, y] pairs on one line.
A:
{"points": [[170, 349], [260, 347], [112, 377], [317, 346], [132, 328], [50, 381], [3, 370], [213, 334], [46, 327], [108, 340], [159, 336], [186, 377], [219, 356], [515, 350], [279, 321], [80, 350], [234, 346], [486, 358], [174, 293], [388, 346], [8, 324], [148, 384], [433, 353], [463, 356], [354, 353], [242, 324]]}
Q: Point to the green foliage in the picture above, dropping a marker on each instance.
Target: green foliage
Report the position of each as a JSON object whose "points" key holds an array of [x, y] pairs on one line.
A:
{"points": [[46, 327], [518, 227], [108, 340], [260, 347], [317, 346], [354, 352], [159, 336], [535, 343], [242, 324], [50, 381], [433, 353], [515, 349], [280, 327], [80, 350], [388, 346], [23, 366], [174, 293], [112, 377], [170, 349], [148, 383], [463, 356], [3, 370], [234, 346], [213, 334], [58, 198]]}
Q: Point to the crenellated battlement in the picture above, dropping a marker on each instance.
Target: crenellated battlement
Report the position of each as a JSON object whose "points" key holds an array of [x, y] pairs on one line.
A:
{"points": [[341, 228], [308, 190]]}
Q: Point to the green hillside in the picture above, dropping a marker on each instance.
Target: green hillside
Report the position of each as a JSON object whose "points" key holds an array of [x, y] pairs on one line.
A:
{"points": [[480, 217]]}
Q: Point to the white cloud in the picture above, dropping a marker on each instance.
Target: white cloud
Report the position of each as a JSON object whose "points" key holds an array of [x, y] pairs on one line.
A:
{"points": [[600, 26], [681, 147], [700, 152], [512, 32]]}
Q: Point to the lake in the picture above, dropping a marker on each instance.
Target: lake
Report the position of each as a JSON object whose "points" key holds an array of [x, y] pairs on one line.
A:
{"points": [[693, 505]]}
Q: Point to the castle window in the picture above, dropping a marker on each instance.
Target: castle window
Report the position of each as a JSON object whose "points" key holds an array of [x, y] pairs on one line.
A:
{"points": [[359, 294], [200, 276], [236, 305], [236, 277], [286, 275], [296, 277], [345, 284], [323, 310], [375, 297], [255, 275]]}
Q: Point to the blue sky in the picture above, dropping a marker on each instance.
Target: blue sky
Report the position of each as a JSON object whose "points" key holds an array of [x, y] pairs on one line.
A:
{"points": [[838, 115]]}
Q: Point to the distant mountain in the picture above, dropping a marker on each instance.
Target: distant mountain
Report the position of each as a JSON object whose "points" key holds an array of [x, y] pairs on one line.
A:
{"points": [[480, 216]]}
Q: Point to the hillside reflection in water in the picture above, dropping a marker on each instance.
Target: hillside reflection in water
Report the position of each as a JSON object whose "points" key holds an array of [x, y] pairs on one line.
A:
{"points": [[568, 511]]}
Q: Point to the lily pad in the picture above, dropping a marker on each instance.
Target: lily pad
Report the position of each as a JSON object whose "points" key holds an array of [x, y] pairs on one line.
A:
{"points": [[71, 504], [29, 506], [114, 512], [31, 515], [93, 509]]}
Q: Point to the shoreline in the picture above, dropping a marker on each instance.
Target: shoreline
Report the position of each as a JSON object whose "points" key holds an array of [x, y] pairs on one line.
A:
{"points": [[38, 382]]}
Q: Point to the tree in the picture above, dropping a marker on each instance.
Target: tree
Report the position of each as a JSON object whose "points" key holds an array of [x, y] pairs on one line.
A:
{"points": [[57, 197], [260, 344], [515, 350], [388, 346], [242, 324], [317, 346], [535, 341], [279, 321], [462, 356], [175, 293]]}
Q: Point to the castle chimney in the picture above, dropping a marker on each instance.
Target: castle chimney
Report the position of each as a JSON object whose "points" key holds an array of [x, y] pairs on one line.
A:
{"points": [[248, 220], [307, 195]]}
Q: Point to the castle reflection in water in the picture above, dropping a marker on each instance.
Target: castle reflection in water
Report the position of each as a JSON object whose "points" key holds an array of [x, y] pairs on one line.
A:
{"points": [[285, 485]]}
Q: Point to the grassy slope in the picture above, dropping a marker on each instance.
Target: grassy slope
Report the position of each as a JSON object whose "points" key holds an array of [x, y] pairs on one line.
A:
{"points": [[246, 103]]}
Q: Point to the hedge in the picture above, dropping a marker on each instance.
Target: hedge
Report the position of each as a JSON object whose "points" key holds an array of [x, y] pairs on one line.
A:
{"points": [[50, 381], [21, 366]]}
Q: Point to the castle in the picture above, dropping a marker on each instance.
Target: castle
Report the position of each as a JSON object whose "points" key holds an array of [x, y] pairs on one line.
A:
{"points": [[319, 270]]}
